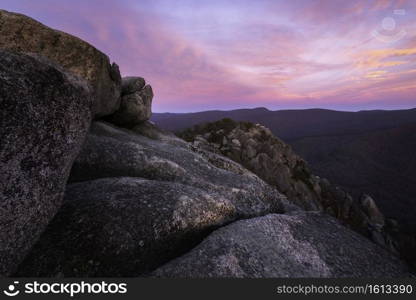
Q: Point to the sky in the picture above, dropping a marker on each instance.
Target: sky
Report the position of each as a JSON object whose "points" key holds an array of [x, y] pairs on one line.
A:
{"points": [[226, 54]]}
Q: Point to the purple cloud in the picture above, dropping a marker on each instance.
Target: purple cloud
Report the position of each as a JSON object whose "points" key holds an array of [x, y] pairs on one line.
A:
{"points": [[225, 54]]}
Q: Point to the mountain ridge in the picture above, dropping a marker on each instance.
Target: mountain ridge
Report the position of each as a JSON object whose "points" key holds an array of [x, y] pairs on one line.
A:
{"points": [[293, 124]]}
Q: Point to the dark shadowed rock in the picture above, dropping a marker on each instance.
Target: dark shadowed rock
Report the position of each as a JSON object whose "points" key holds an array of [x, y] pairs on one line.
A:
{"points": [[22, 34], [298, 245], [361, 215], [44, 117]]}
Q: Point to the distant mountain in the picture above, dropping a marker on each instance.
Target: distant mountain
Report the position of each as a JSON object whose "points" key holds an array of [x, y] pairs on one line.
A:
{"points": [[367, 151], [295, 124]]}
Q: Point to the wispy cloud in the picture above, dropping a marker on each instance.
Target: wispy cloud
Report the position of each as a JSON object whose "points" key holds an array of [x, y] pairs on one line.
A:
{"points": [[223, 54]]}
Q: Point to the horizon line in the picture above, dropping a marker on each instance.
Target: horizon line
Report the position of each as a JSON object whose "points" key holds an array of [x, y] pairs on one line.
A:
{"points": [[286, 109]]}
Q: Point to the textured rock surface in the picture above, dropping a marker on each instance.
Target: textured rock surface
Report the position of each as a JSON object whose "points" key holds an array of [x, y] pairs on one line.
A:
{"points": [[114, 152], [22, 34], [257, 149], [136, 103], [44, 117], [125, 226], [298, 245]]}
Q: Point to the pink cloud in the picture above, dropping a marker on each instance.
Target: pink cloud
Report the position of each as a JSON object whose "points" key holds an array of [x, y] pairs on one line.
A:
{"points": [[142, 45], [221, 55]]}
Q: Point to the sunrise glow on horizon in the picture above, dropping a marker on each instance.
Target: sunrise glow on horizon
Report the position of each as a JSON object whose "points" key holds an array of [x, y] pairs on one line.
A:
{"points": [[201, 55]]}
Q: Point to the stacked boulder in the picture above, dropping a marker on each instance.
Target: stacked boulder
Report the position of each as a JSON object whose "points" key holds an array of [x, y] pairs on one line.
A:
{"points": [[136, 103]]}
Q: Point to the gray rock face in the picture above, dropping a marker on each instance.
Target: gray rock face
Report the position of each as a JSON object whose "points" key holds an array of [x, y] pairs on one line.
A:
{"points": [[257, 149], [127, 226], [124, 227], [44, 117], [136, 103], [298, 245], [19, 33]]}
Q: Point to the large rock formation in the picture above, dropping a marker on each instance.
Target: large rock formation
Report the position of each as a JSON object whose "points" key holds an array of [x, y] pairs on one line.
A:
{"points": [[44, 117], [22, 34], [294, 245], [139, 197], [256, 148], [127, 226]]}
